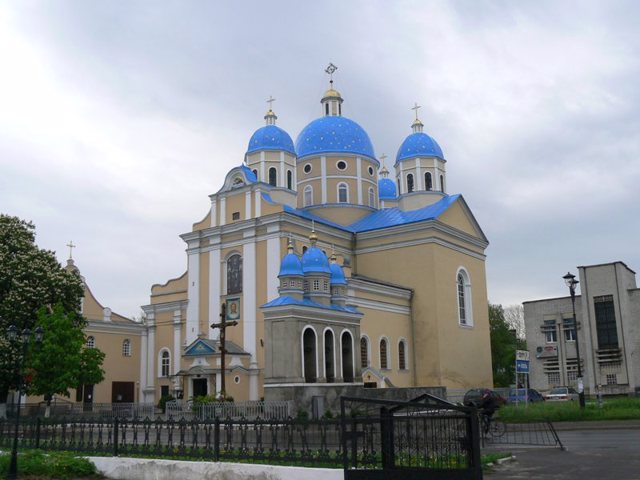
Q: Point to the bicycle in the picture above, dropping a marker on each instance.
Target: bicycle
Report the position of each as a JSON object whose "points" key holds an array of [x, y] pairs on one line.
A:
{"points": [[492, 427]]}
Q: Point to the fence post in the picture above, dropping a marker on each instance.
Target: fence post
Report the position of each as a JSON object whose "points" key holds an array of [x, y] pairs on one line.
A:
{"points": [[386, 438], [38, 432], [216, 439], [115, 437], [474, 424]]}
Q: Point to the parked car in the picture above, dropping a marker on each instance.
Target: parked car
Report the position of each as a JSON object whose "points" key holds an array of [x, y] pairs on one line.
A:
{"points": [[473, 397], [521, 395], [562, 394]]}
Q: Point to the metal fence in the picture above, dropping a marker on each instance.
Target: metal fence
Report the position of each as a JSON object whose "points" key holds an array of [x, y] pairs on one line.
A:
{"points": [[542, 434], [106, 411], [236, 410]]}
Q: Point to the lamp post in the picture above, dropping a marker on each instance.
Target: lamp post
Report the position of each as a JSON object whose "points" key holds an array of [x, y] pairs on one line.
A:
{"points": [[24, 338], [572, 283]]}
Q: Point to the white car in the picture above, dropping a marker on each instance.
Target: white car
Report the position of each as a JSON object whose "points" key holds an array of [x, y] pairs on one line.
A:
{"points": [[562, 394]]}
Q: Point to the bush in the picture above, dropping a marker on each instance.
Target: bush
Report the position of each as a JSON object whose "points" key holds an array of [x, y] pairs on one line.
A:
{"points": [[302, 415], [162, 404], [59, 465]]}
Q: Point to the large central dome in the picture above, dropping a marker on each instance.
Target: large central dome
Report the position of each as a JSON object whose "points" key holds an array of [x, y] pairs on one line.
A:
{"points": [[334, 134]]}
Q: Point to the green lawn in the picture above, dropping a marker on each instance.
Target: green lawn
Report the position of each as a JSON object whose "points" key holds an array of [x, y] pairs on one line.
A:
{"points": [[612, 409]]}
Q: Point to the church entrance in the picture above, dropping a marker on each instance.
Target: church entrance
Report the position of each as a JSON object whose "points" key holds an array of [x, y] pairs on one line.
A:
{"points": [[199, 387], [347, 357], [309, 352]]}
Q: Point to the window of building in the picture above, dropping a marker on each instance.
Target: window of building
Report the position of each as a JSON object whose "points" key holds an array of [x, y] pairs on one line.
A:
{"points": [[235, 216], [606, 322], [165, 364], [343, 193], [255, 172], [463, 291], [309, 346], [550, 331], [569, 330], [402, 361], [308, 196], [372, 198], [91, 342], [234, 274], [325, 285], [289, 179], [612, 379], [428, 182], [316, 285], [364, 352], [384, 361], [307, 168], [572, 376], [409, 183], [126, 348], [273, 176], [370, 170], [442, 183], [342, 165], [553, 378]]}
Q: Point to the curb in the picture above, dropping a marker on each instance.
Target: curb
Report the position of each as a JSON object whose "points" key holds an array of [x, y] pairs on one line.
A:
{"points": [[500, 461]]}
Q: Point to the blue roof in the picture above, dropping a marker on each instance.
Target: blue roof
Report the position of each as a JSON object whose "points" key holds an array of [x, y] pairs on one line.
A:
{"points": [[334, 134], [387, 189], [337, 275], [284, 301], [290, 265], [315, 261], [419, 144], [251, 177], [270, 137]]}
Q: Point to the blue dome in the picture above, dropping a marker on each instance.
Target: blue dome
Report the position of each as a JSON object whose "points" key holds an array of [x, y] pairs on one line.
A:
{"points": [[337, 275], [315, 261], [291, 265], [270, 137], [334, 134], [419, 144], [387, 189]]}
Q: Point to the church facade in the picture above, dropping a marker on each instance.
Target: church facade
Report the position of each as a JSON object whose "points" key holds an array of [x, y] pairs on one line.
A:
{"points": [[326, 271]]}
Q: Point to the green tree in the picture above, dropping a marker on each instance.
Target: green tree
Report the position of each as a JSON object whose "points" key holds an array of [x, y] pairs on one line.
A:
{"points": [[30, 279], [91, 371], [504, 343]]}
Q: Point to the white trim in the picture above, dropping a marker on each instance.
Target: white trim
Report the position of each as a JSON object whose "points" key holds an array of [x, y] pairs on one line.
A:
{"points": [[214, 291], [143, 367], [262, 167], [223, 210], [438, 241], [177, 326], [214, 212], [418, 184], [346, 185], [258, 200], [353, 360], [273, 267], [344, 161], [323, 178], [308, 188], [249, 299], [160, 352], [324, 351], [193, 294], [377, 305], [371, 195], [468, 305], [283, 178], [315, 334], [247, 205], [359, 181]]}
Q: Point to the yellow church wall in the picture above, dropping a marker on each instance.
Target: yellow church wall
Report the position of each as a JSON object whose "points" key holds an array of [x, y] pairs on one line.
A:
{"points": [[235, 203], [203, 293], [173, 290], [204, 223], [342, 215], [457, 218]]}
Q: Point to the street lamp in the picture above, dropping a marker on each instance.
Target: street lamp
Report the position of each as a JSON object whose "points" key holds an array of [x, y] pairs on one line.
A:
{"points": [[572, 283], [25, 338]]}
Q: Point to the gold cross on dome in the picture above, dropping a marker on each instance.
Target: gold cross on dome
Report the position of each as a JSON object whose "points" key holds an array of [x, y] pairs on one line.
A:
{"points": [[270, 102], [71, 247], [331, 70], [416, 107]]}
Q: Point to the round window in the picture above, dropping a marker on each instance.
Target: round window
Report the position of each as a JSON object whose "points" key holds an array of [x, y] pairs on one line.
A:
{"points": [[342, 165], [371, 171], [307, 168], [236, 379]]}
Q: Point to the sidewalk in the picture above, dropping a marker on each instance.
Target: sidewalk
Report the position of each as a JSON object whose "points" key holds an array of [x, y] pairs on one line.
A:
{"points": [[597, 425]]}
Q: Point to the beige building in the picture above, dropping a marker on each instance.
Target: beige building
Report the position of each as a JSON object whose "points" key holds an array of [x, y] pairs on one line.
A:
{"points": [[412, 254]]}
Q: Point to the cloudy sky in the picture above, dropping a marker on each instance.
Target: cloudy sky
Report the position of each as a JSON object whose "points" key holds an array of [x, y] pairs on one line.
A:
{"points": [[118, 119]]}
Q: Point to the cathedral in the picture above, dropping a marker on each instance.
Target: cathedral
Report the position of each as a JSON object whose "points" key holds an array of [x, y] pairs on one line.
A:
{"points": [[314, 264]]}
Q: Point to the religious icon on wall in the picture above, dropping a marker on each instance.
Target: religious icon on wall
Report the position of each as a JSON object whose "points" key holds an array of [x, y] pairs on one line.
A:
{"points": [[234, 274], [233, 308]]}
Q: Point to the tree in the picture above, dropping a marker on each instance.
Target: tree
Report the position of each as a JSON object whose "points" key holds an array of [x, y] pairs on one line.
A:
{"points": [[30, 279], [504, 344], [514, 315], [91, 371]]}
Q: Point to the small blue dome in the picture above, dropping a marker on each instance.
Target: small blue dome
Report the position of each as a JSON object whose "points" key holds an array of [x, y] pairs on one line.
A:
{"points": [[419, 144], [270, 137], [315, 261], [337, 275], [291, 265], [251, 177], [387, 189], [334, 134]]}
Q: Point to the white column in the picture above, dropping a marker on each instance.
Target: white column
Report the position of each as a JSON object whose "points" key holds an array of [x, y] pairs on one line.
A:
{"points": [[273, 264], [436, 181], [214, 212], [283, 179], [249, 288], [323, 178], [143, 366], [223, 211], [400, 179], [247, 205], [258, 200], [193, 294], [359, 181], [262, 178], [177, 345], [214, 289], [419, 181], [151, 352]]}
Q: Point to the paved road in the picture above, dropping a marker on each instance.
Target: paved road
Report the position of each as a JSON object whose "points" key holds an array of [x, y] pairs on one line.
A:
{"points": [[591, 454]]}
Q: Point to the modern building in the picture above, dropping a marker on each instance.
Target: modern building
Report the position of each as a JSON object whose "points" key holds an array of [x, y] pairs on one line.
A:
{"points": [[412, 310], [608, 333]]}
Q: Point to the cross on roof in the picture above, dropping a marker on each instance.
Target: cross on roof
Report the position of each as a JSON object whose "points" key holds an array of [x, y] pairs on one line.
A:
{"points": [[71, 247], [330, 70], [270, 102], [416, 107]]}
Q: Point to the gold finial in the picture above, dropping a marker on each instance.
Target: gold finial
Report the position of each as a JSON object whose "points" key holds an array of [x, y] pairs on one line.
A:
{"points": [[71, 247], [333, 254], [313, 238], [290, 244]]}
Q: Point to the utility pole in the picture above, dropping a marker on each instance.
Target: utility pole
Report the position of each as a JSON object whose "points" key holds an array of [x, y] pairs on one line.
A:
{"points": [[223, 325]]}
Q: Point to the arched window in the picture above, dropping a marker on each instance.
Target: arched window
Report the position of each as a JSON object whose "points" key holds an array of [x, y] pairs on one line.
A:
{"points": [[428, 182], [234, 274], [91, 342], [364, 352], [347, 357], [308, 196], [255, 172], [309, 355], [463, 290], [126, 347], [372, 198], [410, 183], [165, 363], [442, 183], [329, 370], [273, 176], [289, 180], [384, 360], [343, 193], [326, 108], [402, 355]]}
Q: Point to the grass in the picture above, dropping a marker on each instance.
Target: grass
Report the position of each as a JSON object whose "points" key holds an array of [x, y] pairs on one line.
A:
{"points": [[37, 464], [612, 409]]}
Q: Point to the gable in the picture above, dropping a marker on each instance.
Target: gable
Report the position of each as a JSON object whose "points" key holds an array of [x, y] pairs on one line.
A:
{"points": [[459, 216], [198, 349]]}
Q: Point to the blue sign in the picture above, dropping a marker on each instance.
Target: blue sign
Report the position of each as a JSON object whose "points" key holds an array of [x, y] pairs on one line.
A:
{"points": [[522, 366]]}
